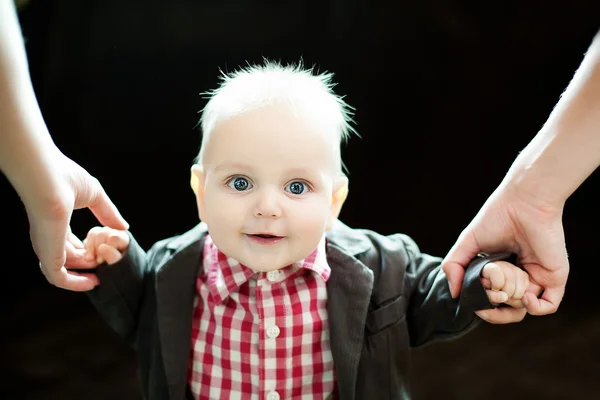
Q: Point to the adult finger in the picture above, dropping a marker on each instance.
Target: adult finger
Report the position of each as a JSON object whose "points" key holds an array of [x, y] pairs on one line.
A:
{"points": [[76, 281], [553, 283], [547, 304], [74, 240], [48, 236], [502, 315]]}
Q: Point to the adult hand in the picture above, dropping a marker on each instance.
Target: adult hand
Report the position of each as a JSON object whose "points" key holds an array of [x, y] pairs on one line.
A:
{"points": [[49, 218], [50, 185], [513, 221]]}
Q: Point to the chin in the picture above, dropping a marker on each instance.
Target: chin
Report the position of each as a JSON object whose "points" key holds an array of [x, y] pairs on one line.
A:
{"points": [[266, 268], [266, 265]]}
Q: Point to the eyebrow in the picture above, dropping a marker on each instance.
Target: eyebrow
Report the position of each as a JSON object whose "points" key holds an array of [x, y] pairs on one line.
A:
{"points": [[240, 166], [231, 165], [298, 171]]}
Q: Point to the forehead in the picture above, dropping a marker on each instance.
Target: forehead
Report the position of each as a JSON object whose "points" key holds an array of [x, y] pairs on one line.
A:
{"points": [[274, 136]]}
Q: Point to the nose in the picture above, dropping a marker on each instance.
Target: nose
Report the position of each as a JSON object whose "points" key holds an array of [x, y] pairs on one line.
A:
{"points": [[267, 204]]}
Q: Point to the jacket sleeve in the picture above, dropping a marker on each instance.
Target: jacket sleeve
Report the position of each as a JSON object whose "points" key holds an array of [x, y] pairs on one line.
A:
{"points": [[121, 288], [432, 313]]}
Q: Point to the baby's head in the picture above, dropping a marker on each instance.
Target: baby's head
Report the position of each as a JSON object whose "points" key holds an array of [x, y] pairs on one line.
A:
{"points": [[268, 178]]}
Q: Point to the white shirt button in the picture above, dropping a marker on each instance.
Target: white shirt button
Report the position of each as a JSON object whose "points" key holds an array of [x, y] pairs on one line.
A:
{"points": [[273, 395], [273, 276], [273, 332]]}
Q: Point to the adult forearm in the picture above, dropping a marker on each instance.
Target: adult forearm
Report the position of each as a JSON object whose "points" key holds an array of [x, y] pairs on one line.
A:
{"points": [[26, 148], [567, 149]]}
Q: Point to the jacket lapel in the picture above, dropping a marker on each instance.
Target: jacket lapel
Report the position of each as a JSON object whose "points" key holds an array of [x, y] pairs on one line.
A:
{"points": [[348, 295], [349, 291], [175, 289]]}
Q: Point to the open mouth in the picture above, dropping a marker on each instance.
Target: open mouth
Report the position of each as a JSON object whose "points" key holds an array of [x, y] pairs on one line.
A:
{"points": [[264, 238]]}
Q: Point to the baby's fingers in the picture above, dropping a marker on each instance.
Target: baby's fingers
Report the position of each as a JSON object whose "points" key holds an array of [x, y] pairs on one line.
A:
{"points": [[76, 258], [93, 239], [108, 253], [521, 284], [494, 273], [515, 303], [496, 297], [118, 239]]}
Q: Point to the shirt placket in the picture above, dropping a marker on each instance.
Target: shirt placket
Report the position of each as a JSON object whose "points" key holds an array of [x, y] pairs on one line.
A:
{"points": [[271, 335]]}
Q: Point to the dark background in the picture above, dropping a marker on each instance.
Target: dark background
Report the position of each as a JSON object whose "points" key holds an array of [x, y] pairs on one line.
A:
{"points": [[447, 93]]}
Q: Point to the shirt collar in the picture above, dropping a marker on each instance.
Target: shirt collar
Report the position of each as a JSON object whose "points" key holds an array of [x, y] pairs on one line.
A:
{"points": [[224, 275]]}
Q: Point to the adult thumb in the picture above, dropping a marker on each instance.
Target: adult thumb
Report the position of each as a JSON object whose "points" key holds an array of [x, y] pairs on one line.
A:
{"points": [[457, 260], [95, 198]]}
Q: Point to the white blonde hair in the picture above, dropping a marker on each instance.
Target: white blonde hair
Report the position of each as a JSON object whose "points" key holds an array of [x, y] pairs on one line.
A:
{"points": [[257, 86]]}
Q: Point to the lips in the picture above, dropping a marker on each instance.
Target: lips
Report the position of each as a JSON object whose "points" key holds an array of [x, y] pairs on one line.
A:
{"points": [[264, 238]]}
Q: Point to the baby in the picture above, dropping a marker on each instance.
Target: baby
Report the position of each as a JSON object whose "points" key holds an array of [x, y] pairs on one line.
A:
{"points": [[271, 296]]}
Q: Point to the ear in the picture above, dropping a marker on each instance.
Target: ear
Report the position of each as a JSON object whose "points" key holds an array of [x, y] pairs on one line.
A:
{"points": [[340, 192], [197, 181]]}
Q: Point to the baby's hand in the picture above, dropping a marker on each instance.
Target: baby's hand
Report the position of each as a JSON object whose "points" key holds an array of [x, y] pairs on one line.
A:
{"points": [[505, 283], [105, 245]]}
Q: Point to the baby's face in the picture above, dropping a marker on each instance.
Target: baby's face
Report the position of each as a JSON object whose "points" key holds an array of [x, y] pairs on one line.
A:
{"points": [[268, 180]]}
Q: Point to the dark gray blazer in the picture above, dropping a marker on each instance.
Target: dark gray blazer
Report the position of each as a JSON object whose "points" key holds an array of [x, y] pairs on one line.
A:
{"points": [[384, 296]]}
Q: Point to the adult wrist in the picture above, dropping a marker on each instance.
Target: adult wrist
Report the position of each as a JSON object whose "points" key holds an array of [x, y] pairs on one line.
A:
{"points": [[36, 177], [528, 183]]}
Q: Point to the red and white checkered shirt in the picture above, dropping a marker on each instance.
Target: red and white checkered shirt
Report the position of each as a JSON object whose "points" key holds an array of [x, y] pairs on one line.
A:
{"points": [[258, 335]]}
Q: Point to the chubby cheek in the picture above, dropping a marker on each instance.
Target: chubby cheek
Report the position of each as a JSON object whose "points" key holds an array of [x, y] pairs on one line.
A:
{"points": [[222, 211], [309, 224]]}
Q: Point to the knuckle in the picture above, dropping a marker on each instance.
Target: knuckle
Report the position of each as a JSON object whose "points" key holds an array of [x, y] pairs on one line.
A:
{"points": [[94, 233], [553, 309], [94, 182], [445, 268], [523, 275], [113, 238], [96, 229], [510, 273], [492, 266]]}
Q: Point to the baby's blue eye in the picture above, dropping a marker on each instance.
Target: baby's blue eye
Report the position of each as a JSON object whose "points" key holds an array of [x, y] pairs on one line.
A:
{"points": [[239, 184], [296, 187]]}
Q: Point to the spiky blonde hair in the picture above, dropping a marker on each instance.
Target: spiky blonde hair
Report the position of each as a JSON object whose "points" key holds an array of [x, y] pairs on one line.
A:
{"points": [[257, 86]]}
